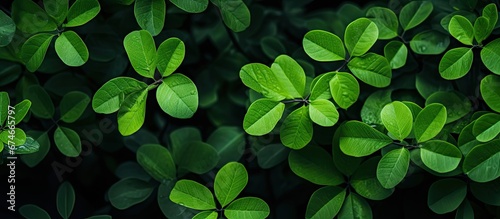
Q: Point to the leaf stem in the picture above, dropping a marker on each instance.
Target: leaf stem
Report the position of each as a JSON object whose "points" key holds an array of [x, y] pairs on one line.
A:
{"points": [[296, 100]]}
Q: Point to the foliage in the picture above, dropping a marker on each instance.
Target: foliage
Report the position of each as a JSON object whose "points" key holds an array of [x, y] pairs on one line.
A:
{"points": [[264, 109]]}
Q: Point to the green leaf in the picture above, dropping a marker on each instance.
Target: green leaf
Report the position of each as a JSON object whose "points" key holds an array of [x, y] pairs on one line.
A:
{"points": [[440, 156], [490, 91], [132, 113], [192, 195], [488, 192], [481, 29], [4, 106], [344, 89], [457, 105], [235, 14], [65, 199], [358, 139], [111, 95], [42, 105], [205, 158], [456, 63], [129, 192], [360, 35], [272, 155], [414, 13], [206, 215], [386, 21], [57, 9], [465, 211], [21, 109], [31, 18], [396, 53], [320, 86], [30, 211], [170, 55], [178, 139], [429, 122], [156, 161], [191, 6], [325, 202], [34, 158], [141, 51], [446, 195], [323, 46], [34, 49], [28, 147], [262, 116], [490, 12], [392, 168], [315, 165], [16, 136], [169, 208], [150, 15], [291, 76], [365, 182], [429, 42], [229, 142], [260, 78], [73, 105], [67, 141], [229, 182], [178, 96], [482, 164], [272, 46], [297, 129], [372, 69], [344, 163], [467, 140], [71, 49], [81, 12], [355, 206], [490, 55], [323, 112], [461, 28], [247, 208], [397, 119], [486, 127], [7, 29]]}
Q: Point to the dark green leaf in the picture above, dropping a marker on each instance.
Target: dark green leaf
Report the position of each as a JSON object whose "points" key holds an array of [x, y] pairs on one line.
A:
{"points": [[30, 211], [490, 54], [42, 105], [355, 206], [396, 53], [315, 165], [129, 192], [156, 161], [34, 49], [414, 13], [150, 15], [67, 141], [65, 199], [457, 105], [429, 42], [490, 91], [21, 109], [73, 105], [31, 18], [235, 14], [191, 6], [486, 127], [392, 167], [325, 202], [365, 182], [81, 12], [7, 29], [482, 163], [386, 21], [229, 142], [446, 195]]}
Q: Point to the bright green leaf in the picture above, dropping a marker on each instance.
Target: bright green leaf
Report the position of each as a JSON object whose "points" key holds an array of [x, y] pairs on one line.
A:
{"points": [[372, 69], [235, 14], [67, 141], [297, 129], [141, 51], [323, 46], [28, 147], [359, 139], [262, 116], [355, 206], [21, 109], [396, 53], [229, 182], [490, 91], [414, 13], [170, 55], [344, 89], [34, 49], [323, 112], [392, 168], [486, 127], [440, 156], [178, 96], [481, 29], [73, 105], [260, 78], [397, 119], [192, 195], [132, 113], [156, 161], [150, 15], [325, 202], [14, 136], [81, 12], [461, 28], [314, 164], [482, 164], [71, 49], [111, 95], [456, 63], [490, 54], [446, 195], [490, 12], [247, 208], [360, 35], [429, 122], [206, 215], [291, 76], [320, 86], [457, 105]]}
